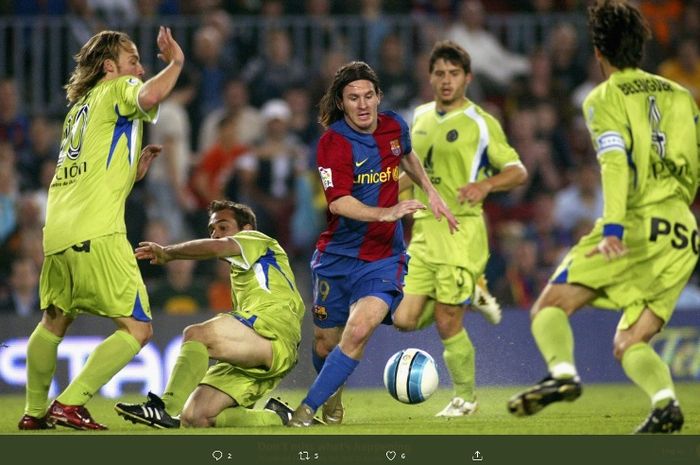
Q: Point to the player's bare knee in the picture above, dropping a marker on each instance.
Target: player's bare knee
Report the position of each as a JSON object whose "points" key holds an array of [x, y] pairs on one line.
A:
{"points": [[192, 333], [404, 322], [357, 334], [194, 417], [142, 333]]}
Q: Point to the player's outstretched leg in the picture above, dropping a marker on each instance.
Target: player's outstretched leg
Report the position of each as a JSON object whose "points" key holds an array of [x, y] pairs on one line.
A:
{"points": [[485, 303], [545, 392], [72, 416], [333, 410], [151, 413], [668, 419]]}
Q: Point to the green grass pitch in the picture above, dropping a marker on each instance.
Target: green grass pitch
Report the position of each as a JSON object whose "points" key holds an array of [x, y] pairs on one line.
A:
{"points": [[603, 409]]}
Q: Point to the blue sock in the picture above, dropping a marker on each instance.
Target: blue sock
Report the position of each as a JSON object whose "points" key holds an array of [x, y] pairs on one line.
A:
{"points": [[317, 360], [335, 372]]}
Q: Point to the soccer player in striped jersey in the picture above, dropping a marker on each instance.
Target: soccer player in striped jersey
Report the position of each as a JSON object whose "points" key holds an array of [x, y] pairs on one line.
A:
{"points": [[360, 259], [89, 266], [641, 253], [465, 152]]}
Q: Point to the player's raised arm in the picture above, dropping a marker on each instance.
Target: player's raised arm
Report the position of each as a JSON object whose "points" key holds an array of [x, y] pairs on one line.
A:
{"points": [[156, 89]]}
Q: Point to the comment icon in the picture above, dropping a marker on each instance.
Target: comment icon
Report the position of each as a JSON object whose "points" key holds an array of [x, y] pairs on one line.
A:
{"points": [[217, 454]]}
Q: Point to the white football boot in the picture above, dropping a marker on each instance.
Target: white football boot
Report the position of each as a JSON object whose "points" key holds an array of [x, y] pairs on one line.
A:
{"points": [[458, 407], [485, 303]]}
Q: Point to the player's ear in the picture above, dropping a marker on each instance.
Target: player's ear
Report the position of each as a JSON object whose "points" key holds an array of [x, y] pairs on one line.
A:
{"points": [[248, 227], [109, 66]]}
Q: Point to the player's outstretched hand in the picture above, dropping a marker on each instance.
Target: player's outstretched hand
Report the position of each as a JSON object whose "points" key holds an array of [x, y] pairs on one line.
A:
{"points": [[441, 210], [474, 192], [170, 50], [401, 209], [148, 154], [610, 246], [153, 252]]}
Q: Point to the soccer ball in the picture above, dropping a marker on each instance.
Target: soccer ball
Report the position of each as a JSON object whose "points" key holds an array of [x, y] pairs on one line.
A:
{"points": [[410, 376]]}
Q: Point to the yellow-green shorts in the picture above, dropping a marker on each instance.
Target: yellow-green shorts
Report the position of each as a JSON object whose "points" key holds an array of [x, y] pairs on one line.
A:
{"points": [[247, 385], [445, 266], [99, 276], [662, 242], [448, 284]]}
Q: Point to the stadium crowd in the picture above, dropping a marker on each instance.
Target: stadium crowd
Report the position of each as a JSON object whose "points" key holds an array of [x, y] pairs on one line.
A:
{"points": [[241, 124]]}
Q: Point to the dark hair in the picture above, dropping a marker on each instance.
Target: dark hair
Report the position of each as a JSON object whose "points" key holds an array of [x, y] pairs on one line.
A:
{"points": [[618, 30], [243, 214], [451, 52], [330, 106]]}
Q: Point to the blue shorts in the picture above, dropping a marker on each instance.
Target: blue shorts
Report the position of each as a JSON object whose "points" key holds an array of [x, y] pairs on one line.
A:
{"points": [[340, 281]]}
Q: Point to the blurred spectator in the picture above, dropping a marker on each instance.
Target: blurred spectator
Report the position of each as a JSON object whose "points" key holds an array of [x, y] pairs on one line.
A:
{"points": [[117, 14], [217, 164], [535, 154], [551, 130], [593, 77], [180, 293], [9, 191], [166, 181], [14, 124], [523, 279], [567, 66], [375, 29], [684, 67], [581, 201], [551, 239], [22, 297], [303, 120], [267, 174], [43, 147], [209, 60], [26, 237], [219, 289], [331, 61], [236, 103], [270, 74], [493, 66], [395, 76], [322, 32], [663, 16]]}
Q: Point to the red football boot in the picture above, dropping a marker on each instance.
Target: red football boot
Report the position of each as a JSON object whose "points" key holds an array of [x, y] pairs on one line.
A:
{"points": [[28, 422], [72, 416]]}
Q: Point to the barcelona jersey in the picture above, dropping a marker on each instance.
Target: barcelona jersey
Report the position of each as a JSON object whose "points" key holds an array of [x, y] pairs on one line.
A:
{"points": [[365, 166]]}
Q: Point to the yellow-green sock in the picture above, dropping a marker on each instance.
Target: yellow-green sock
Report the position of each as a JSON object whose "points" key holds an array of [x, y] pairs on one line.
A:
{"points": [[427, 317], [459, 359], [554, 338], [239, 416], [42, 351], [189, 369], [107, 360], [646, 369]]}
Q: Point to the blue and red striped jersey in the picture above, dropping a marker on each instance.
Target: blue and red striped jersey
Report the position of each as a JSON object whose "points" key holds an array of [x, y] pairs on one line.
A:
{"points": [[365, 166]]}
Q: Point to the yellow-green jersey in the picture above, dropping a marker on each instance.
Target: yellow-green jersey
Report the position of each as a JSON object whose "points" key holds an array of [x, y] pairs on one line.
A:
{"points": [[462, 146], [262, 282], [645, 131], [96, 168]]}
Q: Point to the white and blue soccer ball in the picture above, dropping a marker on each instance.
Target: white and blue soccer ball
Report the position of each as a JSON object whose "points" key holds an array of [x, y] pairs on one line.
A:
{"points": [[411, 376]]}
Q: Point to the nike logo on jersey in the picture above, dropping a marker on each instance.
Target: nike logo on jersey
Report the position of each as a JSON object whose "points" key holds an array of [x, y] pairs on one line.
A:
{"points": [[360, 163]]}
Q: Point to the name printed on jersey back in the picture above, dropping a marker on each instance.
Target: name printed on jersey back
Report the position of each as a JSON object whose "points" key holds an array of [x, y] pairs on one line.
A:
{"points": [[644, 85]]}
